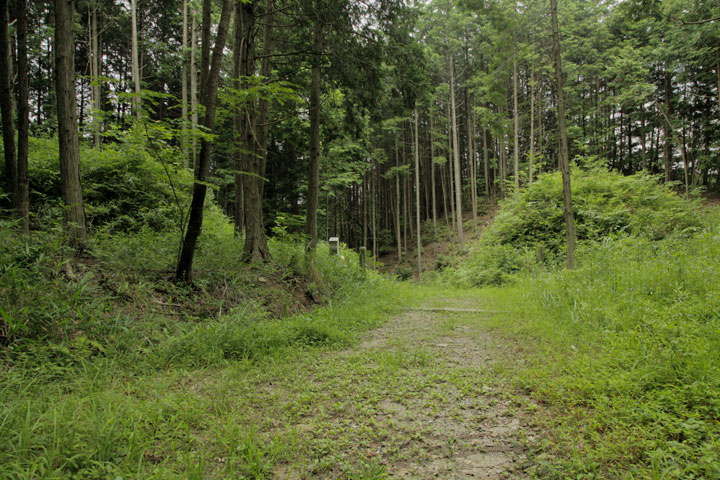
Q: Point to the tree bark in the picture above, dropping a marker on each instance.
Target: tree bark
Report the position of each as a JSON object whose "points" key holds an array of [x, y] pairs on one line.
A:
{"points": [[398, 228], [456, 155], [23, 191], [135, 59], [67, 122], [6, 103], [667, 147], [563, 151], [531, 157], [95, 64], [184, 86], [256, 247], [516, 123], [314, 173], [471, 158], [486, 163], [417, 195], [209, 99], [432, 174], [243, 118], [193, 88]]}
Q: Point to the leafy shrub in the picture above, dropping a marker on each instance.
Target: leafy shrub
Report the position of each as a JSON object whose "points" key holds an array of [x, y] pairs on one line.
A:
{"points": [[629, 357], [529, 229], [605, 203], [125, 188]]}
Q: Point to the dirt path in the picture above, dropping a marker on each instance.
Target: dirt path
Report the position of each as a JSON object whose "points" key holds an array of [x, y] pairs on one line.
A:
{"points": [[422, 397]]}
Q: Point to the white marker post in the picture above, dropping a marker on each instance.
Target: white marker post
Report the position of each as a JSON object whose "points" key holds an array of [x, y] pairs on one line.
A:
{"points": [[334, 243]]}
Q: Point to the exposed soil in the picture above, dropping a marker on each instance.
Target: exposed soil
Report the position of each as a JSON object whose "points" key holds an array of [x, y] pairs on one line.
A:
{"points": [[422, 397]]}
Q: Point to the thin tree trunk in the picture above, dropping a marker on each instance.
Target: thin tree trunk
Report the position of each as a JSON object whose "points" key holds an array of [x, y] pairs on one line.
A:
{"points": [[67, 122], [531, 157], [6, 103], [184, 85], [313, 176], [417, 194], [563, 152], [135, 59], [471, 159], [486, 163], [209, 87], [642, 138], [398, 228], [95, 77], [667, 147], [456, 155], [516, 122], [432, 175], [669, 127], [443, 184], [450, 175], [193, 88], [374, 190], [23, 190]]}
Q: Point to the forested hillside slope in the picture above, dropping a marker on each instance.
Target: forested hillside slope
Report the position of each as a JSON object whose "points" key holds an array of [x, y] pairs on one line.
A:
{"points": [[173, 172]]}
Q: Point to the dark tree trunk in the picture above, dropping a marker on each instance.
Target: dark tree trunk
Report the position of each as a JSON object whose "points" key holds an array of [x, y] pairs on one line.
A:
{"points": [[563, 152], [6, 103], [23, 192], [243, 60], [209, 88], [67, 122], [256, 247], [313, 180]]}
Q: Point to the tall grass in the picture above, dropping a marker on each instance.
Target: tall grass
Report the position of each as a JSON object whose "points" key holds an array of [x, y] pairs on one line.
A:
{"points": [[626, 358]]}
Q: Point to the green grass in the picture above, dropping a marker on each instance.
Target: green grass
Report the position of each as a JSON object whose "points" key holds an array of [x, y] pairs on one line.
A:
{"points": [[103, 419], [623, 354]]}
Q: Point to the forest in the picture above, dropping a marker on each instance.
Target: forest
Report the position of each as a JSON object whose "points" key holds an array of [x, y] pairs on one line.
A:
{"points": [[525, 196]]}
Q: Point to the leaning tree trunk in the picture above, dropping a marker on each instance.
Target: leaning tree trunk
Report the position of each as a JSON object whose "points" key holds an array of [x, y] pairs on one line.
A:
{"points": [[67, 122], [314, 173], [22, 194], [209, 88], [563, 150]]}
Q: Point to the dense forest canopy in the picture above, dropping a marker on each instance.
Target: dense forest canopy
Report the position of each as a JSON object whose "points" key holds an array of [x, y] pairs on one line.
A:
{"points": [[324, 118]]}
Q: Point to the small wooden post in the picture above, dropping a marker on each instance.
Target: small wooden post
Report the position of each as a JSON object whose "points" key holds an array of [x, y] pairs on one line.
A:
{"points": [[362, 257]]}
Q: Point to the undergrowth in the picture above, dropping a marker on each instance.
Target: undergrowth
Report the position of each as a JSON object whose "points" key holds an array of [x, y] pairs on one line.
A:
{"points": [[528, 232], [625, 358]]}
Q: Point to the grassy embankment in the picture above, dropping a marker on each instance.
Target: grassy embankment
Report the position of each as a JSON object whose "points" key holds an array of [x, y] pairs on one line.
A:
{"points": [[622, 353]]}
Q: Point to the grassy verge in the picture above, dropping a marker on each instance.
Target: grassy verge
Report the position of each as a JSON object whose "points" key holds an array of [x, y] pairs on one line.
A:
{"points": [[623, 354], [192, 419]]}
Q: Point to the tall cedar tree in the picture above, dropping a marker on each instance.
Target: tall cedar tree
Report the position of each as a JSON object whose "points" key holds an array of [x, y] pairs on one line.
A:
{"points": [[67, 122]]}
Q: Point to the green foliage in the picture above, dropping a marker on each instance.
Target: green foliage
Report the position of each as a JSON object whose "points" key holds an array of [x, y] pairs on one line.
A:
{"points": [[125, 187], [529, 229], [627, 357]]}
